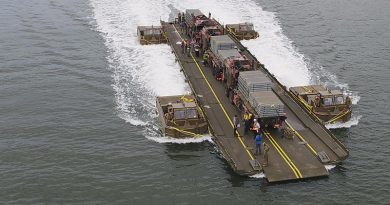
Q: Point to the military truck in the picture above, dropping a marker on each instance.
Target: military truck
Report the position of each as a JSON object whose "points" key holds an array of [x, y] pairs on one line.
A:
{"points": [[217, 45], [234, 63], [206, 33], [254, 94], [195, 20]]}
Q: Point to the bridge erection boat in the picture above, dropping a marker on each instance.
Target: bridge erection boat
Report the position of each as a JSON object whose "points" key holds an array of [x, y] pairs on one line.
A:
{"points": [[328, 105], [180, 116], [242, 31], [151, 35]]}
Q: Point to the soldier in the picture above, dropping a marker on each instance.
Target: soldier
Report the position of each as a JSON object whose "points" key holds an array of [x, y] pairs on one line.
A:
{"points": [[236, 125], [258, 143], [265, 156], [189, 44], [348, 101], [317, 100], [247, 120], [255, 127], [219, 76], [182, 25], [192, 46], [169, 117], [205, 59], [197, 50], [228, 90], [182, 46], [282, 125], [188, 51]]}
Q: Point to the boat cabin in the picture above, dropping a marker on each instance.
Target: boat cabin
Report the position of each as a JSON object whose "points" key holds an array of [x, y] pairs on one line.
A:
{"points": [[330, 98], [319, 96], [182, 111]]}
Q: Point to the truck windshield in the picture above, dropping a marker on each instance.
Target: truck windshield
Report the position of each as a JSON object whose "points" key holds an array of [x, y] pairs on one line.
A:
{"points": [[214, 32], [191, 113], [237, 63], [180, 114], [245, 62]]}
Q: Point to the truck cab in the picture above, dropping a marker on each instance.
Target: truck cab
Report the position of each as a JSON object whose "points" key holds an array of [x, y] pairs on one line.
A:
{"points": [[206, 33]]}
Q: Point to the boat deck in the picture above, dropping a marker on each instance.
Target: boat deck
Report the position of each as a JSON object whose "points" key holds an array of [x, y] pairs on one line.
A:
{"points": [[289, 159]]}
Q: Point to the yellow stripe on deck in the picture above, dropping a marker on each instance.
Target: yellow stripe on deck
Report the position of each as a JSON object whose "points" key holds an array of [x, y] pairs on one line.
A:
{"points": [[287, 159], [219, 102], [303, 139], [273, 142]]}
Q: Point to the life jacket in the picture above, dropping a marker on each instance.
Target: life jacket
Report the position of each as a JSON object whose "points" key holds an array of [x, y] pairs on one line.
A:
{"points": [[247, 116], [205, 56]]}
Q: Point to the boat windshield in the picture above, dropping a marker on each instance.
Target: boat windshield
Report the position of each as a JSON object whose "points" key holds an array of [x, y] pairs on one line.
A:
{"points": [[327, 101], [339, 100], [180, 114], [152, 31], [191, 113]]}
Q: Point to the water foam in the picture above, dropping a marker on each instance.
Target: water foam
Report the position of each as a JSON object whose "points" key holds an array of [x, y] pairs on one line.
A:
{"points": [[329, 167], [352, 122], [166, 139], [322, 76], [273, 48], [258, 176], [140, 73]]}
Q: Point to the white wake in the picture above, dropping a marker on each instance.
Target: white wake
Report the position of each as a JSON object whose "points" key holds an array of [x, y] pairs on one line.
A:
{"points": [[166, 139], [259, 175], [352, 122], [140, 73]]}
